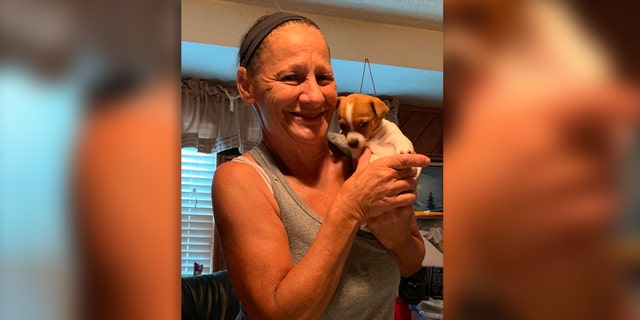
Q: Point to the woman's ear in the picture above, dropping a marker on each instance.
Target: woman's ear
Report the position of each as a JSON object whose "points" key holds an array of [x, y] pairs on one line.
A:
{"points": [[244, 86]]}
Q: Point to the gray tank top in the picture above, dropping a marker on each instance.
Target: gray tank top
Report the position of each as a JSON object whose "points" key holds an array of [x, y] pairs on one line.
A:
{"points": [[368, 286]]}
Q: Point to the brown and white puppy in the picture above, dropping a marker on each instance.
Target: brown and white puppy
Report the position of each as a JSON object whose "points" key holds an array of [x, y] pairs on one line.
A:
{"points": [[362, 122]]}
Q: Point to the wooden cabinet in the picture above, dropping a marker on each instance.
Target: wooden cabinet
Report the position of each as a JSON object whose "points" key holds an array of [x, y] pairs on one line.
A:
{"points": [[423, 126]]}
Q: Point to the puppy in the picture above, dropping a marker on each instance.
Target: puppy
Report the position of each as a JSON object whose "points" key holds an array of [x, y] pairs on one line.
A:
{"points": [[362, 122]]}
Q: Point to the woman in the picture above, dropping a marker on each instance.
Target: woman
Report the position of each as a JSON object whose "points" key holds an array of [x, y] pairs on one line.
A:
{"points": [[289, 211]]}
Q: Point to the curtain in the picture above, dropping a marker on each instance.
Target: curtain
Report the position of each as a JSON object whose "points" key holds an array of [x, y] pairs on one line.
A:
{"points": [[214, 118]]}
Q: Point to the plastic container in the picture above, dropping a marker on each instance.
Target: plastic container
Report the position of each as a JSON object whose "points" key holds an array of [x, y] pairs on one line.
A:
{"points": [[431, 309]]}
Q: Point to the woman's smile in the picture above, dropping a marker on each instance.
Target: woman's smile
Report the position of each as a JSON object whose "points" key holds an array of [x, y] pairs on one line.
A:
{"points": [[308, 116]]}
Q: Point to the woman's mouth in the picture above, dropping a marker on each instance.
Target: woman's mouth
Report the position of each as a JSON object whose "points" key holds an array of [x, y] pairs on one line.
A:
{"points": [[308, 116]]}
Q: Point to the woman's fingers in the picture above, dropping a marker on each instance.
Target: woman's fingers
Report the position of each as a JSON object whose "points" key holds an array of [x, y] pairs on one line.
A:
{"points": [[407, 184], [405, 160], [405, 173], [396, 193], [405, 198], [364, 159]]}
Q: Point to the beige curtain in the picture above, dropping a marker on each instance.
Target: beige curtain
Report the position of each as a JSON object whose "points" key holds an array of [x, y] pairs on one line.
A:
{"points": [[214, 118]]}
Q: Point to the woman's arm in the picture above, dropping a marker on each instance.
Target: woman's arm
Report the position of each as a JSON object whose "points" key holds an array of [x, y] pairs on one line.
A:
{"points": [[397, 231], [256, 249]]}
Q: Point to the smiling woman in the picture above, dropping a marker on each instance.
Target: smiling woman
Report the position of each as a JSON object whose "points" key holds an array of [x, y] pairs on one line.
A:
{"points": [[304, 257]]}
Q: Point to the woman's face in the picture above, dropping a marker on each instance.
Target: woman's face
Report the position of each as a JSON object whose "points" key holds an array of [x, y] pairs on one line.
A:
{"points": [[294, 91]]}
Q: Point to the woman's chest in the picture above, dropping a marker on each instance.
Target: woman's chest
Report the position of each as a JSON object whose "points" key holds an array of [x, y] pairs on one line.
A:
{"points": [[319, 196]]}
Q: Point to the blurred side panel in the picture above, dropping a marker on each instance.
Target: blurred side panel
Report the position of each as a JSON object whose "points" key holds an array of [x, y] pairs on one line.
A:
{"points": [[542, 111], [89, 165]]}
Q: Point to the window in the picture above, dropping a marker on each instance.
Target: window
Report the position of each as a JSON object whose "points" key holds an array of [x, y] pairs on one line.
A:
{"points": [[197, 210]]}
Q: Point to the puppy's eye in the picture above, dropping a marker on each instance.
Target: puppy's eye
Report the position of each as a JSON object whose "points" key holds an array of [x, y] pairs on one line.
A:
{"points": [[363, 124], [343, 128]]}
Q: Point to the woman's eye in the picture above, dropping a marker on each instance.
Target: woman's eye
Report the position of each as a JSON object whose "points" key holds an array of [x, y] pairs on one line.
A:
{"points": [[324, 80], [290, 78], [363, 124]]}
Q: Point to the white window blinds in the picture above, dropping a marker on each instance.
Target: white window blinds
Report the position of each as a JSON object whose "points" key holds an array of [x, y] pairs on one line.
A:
{"points": [[197, 210]]}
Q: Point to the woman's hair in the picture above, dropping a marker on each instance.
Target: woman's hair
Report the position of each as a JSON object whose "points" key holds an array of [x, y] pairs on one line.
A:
{"points": [[250, 46]]}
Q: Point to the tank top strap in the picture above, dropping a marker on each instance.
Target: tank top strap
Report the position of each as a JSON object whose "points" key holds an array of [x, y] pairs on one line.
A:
{"points": [[263, 174]]}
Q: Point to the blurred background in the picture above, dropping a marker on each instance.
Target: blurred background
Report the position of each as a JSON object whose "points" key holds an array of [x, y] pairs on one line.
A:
{"points": [[88, 182], [541, 141]]}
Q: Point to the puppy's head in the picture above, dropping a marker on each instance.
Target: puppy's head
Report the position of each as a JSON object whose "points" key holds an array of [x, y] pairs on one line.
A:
{"points": [[359, 117]]}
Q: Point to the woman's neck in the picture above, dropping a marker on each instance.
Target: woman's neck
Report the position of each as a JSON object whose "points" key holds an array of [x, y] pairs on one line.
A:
{"points": [[301, 161]]}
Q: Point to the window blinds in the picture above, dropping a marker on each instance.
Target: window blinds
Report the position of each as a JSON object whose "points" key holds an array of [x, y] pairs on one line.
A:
{"points": [[197, 210]]}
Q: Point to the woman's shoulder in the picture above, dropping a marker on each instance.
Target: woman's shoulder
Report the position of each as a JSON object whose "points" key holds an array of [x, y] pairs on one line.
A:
{"points": [[237, 167], [241, 170], [236, 181], [339, 142]]}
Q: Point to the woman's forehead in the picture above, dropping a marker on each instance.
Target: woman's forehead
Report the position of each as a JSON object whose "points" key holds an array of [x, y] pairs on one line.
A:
{"points": [[295, 34], [294, 45]]}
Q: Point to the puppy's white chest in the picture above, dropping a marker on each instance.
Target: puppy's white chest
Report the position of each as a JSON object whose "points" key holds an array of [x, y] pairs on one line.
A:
{"points": [[389, 140]]}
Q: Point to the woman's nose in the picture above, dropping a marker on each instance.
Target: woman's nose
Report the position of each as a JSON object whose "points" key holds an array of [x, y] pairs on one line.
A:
{"points": [[311, 93]]}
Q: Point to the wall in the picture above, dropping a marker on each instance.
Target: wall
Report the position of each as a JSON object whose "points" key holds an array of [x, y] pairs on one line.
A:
{"points": [[222, 23]]}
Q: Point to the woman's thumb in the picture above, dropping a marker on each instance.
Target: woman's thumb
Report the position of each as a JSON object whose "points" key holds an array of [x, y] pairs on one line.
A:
{"points": [[364, 159]]}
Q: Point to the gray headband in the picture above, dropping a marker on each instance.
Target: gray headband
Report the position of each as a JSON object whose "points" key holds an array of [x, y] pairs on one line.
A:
{"points": [[260, 31]]}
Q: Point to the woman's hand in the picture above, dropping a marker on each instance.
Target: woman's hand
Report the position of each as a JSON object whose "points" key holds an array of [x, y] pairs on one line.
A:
{"points": [[380, 186], [382, 193], [397, 231], [392, 228]]}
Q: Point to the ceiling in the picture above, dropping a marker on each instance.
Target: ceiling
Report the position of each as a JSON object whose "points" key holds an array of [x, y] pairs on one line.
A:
{"points": [[412, 86], [425, 14]]}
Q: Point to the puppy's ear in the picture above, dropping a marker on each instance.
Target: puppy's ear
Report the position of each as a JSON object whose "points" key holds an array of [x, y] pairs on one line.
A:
{"points": [[379, 107], [338, 102]]}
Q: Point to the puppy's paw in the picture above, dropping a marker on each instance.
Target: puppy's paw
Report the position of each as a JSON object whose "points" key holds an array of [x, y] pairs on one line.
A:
{"points": [[406, 151]]}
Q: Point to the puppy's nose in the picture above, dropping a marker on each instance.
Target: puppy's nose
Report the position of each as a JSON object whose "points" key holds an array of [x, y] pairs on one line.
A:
{"points": [[353, 143]]}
